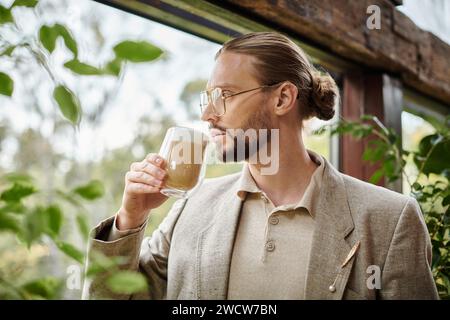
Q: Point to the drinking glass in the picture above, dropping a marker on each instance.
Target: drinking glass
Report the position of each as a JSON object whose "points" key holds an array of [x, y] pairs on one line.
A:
{"points": [[184, 150]]}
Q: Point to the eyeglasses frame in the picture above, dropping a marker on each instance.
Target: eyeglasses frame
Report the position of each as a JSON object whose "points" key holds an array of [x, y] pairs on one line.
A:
{"points": [[226, 96]]}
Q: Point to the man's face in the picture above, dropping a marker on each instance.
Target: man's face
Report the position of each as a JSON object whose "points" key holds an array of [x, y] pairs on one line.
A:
{"points": [[234, 73]]}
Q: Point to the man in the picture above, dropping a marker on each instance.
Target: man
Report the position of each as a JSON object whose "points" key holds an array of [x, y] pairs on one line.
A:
{"points": [[306, 231]]}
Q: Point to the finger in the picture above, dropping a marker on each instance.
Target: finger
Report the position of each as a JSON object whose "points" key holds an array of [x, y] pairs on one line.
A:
{"points": [[143, 177], [155, 159], [134, 166], [149, 168], [140, 188]]}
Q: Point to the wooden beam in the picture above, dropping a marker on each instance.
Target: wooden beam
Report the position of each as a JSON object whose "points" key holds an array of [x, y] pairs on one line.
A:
{"points": [[216, 23], [351, 150], [369, 93], [417, 57]]}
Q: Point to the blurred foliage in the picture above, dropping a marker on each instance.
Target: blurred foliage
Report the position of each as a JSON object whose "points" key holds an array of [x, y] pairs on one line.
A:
{"points": [[25, 213], [189, 96], [37, 216], [430, 186], [108, 269], [61, 196], [43, 45]]}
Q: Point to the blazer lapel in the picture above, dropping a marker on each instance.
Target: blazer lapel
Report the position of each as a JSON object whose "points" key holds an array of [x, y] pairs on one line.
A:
{"points": [[333, 240], [215, 246]]}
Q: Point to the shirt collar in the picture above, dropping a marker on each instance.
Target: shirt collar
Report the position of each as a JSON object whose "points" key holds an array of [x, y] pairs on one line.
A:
{"points": [[248, 185]]}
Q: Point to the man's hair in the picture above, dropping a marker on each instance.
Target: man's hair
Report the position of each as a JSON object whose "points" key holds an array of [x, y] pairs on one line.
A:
{"points": [[279, 59]]}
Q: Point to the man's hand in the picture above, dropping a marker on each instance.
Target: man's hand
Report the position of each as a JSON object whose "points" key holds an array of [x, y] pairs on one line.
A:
{"points": [[142, 185]]}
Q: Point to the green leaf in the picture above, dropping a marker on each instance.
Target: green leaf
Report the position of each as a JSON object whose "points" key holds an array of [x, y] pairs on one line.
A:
{"points": [[367, 117], [438, 158], [376, 176], [17, 192], [55, 220], [49, 34], [13, 207], [18, 177], [417, 186], [446, 283], [389, 167], [9, 222], [69, 198], [45, 288], [35, 224], [25, 3], [83, 225], [6, 84], [69, 40], [71, 251], [323, 129], [113, 67], [5, 15], [137, 51], [68, 103], [8, 51], [126, 282], [82, 68], [375, 151], [91, 191], [99, 262], [446, 201]]}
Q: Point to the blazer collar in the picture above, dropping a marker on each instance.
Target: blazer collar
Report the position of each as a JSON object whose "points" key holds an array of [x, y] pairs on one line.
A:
{"points": [[215, 246], [332, 241]]}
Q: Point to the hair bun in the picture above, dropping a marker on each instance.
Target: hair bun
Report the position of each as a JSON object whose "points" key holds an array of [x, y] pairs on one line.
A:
{"points": [[324, 95]]}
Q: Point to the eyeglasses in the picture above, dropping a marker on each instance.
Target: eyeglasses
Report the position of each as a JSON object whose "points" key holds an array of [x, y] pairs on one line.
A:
{"points": [[217, 98]]}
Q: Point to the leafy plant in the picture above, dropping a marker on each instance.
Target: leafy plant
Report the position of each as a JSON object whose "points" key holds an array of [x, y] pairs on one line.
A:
{"points": [[43, 45], [35, 215], [108, 270], [430, 186], [24, 213]]}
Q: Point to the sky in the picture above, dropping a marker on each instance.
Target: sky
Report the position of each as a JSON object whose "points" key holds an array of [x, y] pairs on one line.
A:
{"points": [[430, 15]]}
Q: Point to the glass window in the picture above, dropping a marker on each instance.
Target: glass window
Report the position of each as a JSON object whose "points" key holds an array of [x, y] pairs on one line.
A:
{"points": [[123, 119], [414, 128]]}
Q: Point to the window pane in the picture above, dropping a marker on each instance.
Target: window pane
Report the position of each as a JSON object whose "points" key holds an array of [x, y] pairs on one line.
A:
{"points": [[414, 128], [123, 120]]}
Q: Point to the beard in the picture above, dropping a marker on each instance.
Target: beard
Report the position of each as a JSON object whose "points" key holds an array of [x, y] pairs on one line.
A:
{"points": [[243, 143]]}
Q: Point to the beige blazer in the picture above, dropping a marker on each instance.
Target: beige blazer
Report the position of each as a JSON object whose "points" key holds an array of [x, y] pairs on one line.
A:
{"points": [[189, 255]]}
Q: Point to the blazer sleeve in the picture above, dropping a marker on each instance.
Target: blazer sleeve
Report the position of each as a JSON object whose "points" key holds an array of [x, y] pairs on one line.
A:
{"points": [[407, 273], [146, 255]]}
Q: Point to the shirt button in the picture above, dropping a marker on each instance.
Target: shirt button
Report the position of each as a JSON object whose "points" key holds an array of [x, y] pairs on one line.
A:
{"points": [[274, 220], [270, 246]]}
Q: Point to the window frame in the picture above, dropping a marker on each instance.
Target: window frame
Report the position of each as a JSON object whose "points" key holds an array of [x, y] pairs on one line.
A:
{"points": [[218, 24]]}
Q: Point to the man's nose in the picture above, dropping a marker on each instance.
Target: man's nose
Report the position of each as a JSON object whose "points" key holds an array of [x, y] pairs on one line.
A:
{"points": [[208, 114]]}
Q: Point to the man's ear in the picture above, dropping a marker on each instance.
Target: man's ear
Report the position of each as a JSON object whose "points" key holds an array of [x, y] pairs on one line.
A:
{"points": [[286, 98]]}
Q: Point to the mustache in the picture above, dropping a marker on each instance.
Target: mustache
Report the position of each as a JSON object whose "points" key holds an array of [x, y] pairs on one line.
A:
{"points": [[212, 126]]}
